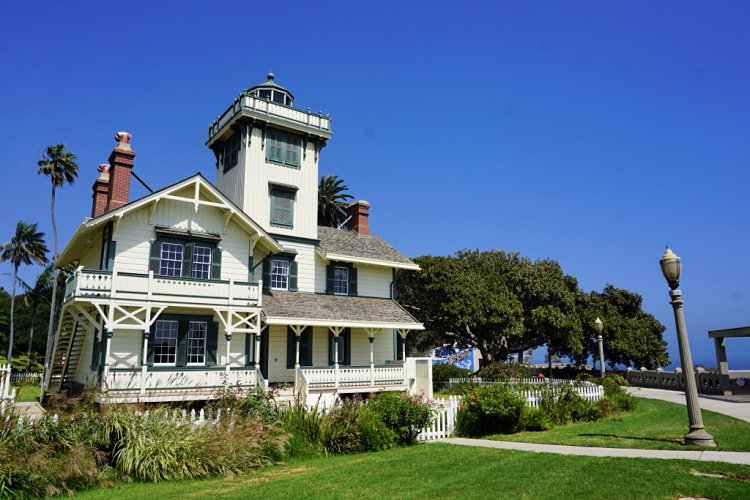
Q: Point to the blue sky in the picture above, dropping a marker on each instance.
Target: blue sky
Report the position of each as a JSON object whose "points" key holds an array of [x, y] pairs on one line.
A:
{"points": [[594, 133]]}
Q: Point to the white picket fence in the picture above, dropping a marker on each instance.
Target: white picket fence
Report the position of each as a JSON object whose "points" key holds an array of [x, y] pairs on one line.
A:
{"points": [[443, 424], [512, 381], [6, 394], [25, 378]]}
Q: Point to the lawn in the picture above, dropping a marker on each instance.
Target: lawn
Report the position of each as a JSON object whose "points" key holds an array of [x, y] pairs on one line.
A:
{"points": [[654, 425], [441, 470], [27, 393]]}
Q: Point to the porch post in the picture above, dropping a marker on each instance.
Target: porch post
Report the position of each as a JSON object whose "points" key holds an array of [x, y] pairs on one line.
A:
{"points": [[228, 336], [256, 351], [144, 361], [723, 365], [107, 348], [371, 338], [336, 331], [403, 334]]}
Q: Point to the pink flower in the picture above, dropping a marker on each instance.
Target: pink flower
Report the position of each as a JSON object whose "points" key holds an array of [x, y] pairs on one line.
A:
{"points": [[237, 397], [462, 407], [473, 397], [472, 403], [541, 375]]}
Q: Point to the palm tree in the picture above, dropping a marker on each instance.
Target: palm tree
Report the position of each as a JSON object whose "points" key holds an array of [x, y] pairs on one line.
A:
{"points": [[33, 295], [61, 167], [332, 202], [25, 246]]}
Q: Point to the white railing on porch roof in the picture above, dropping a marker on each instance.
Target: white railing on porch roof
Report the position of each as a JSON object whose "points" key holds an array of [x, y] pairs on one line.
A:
{"points": [[315, 377]]}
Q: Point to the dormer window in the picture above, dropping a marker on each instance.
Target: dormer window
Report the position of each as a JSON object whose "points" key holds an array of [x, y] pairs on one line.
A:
{"points": [[179, 254], [340, 280]]}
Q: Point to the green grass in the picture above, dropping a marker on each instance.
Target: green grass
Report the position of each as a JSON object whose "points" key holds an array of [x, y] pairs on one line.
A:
{"points": [[441, 470], [655, 424], [27, 393]]}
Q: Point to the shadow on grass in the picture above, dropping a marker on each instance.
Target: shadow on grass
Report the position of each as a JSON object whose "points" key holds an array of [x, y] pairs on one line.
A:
{"points": [[633, 438]]}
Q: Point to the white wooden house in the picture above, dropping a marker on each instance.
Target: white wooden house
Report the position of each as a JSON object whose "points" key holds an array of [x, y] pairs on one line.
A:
{"points": [[197, 285]]}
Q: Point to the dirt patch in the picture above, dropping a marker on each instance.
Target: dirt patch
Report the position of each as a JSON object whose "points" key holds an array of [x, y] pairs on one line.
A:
{"points": [[236, 482]]}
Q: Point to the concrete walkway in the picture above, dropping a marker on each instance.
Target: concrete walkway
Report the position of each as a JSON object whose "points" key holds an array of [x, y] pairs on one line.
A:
{"points": [[733, 407], [732, 457]]}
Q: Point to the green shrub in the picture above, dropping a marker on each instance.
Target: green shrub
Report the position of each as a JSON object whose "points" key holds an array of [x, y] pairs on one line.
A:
{"points": [[487, 410], [405, 415], [534, 419], [375, 435], [618, 399], [304, 427], [500, 370], [564, 405], [340, 430], [443, 372]]}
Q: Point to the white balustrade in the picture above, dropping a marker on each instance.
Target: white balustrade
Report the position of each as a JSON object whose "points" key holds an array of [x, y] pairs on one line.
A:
{"points": [[353, 376]]}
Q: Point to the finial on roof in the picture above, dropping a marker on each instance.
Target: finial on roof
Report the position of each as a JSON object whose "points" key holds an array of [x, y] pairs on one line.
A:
{"points": [[270, 76]]}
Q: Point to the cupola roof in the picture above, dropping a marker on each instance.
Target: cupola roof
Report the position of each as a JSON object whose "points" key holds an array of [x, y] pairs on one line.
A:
{"points": [[268, 85]]}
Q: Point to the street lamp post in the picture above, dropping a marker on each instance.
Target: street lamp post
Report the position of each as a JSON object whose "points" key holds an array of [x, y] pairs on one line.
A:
{"points": [[671, 267], [599, 326]]}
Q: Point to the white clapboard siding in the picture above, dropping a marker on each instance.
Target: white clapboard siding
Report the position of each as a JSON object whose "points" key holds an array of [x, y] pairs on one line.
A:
{"points": [[374, 281]]}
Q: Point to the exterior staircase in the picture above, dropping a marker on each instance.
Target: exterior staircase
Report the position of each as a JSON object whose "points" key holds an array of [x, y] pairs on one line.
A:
{"points": [[68, 350]]}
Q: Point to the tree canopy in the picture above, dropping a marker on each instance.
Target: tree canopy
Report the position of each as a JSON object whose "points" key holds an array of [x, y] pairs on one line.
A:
{"points": [[332, 200], [503, 303]]}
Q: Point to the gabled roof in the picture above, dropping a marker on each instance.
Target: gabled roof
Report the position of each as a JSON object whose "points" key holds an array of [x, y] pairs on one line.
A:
{"points": [[306, 308], [204, 193], [348, 246]]}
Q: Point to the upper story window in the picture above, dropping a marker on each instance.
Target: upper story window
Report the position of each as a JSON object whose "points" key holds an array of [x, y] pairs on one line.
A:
{"points": [[283, 148], [341, 280], [231, 152], [181, 257], [280, 274], [282, 207]]}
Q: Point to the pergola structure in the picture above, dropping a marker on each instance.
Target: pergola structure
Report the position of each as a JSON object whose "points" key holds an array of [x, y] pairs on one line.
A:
{"points": [[720, 337]]}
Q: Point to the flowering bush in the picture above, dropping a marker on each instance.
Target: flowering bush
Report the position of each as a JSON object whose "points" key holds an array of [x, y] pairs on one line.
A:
{"points": [[489, 410], [404, 414]]}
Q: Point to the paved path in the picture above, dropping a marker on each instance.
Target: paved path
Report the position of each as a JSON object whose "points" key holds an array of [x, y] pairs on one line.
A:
{"points": [[732, 457], [29, 409], [733, 408]]}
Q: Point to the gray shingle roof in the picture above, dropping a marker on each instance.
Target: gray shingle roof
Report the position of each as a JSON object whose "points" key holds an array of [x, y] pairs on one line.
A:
{"points": [[306, 305], [345, 242]]}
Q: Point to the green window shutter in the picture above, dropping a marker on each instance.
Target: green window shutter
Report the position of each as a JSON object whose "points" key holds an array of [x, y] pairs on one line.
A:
{"points": [[216, 264], [291, 348], [353, 281], [305, 347], [267, 274], [212, 343], [154, 260], [187, 260], [249, 349], [347, 338], [182, 334], [329, 279], [291, 156], [393, 285], [250, 277], [331, 347], [111, 250], [150, 354], [293, 274]]}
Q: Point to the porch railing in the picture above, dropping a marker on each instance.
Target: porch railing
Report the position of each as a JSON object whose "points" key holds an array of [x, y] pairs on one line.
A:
{"points": [[348, 376], [105, 284]]}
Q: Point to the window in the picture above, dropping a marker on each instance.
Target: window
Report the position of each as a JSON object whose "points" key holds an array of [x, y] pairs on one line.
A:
{"points": [[341, 281], [183, 340], [280, 274], [196, 349], [197, 257], [202, 262], [165, 343], [282, 207], [231, 151], [171, 259], [283, 148]]}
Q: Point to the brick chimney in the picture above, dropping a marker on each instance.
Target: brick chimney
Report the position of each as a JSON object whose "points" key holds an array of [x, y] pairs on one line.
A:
{"points": [[101, 191], [121, 163], [359, 212]]}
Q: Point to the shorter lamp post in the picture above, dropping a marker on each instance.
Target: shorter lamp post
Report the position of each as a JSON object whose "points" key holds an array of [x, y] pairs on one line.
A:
{"points": [[599, 326], [671, 267]]}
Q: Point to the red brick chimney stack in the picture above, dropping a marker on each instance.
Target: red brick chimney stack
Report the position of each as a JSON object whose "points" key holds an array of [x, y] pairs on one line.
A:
{"points": [[359, 212], [121, 163], [101, 191]]}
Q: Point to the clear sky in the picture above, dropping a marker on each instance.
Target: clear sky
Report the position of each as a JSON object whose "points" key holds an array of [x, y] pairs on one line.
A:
{"points": [[594, 133]]}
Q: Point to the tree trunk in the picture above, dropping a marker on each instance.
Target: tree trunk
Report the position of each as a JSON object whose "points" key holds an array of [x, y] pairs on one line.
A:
{"points": [[12, 313], [549, 356], [31, 338], [53, 307]]}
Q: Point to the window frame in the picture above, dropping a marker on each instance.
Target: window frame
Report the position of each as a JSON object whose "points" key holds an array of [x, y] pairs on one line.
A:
{"points": [[337, 282], [187, 243], [230, 152], [188, 353], [275, 194], [289, 147], [174, 347], [162, 260], [208, 265], [287, 265]]}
